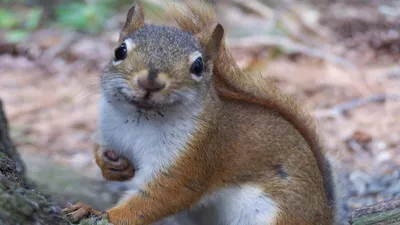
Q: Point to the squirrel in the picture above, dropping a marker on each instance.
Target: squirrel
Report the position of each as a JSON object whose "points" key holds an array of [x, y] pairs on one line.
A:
{"points": [[199, 139]]}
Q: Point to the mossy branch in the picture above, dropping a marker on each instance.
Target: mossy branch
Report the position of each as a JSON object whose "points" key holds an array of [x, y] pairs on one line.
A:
{"points": [[383, 213]]}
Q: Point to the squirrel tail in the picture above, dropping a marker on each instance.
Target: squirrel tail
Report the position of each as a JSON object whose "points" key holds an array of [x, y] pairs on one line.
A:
{"points": [[231, 82], [229, 79]]}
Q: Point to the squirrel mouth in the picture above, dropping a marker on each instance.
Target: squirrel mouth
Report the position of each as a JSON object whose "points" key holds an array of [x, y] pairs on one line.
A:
{"points": [[143, 104]]}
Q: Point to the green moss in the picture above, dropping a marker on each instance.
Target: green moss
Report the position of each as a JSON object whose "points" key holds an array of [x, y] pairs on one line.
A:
{"points": [[21, 206], [93, 221], [2, 155]]}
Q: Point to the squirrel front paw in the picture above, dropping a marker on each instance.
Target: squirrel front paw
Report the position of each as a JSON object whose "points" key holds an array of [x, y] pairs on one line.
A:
{"points": [[79, 211], [113, 167]]}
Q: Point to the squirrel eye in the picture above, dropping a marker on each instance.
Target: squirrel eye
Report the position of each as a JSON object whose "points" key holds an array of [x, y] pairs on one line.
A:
{"points": [[120, 52], [197, 67]]}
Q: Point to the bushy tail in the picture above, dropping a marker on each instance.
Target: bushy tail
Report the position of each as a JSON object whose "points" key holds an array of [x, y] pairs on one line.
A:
{"points": [[229, 77]]}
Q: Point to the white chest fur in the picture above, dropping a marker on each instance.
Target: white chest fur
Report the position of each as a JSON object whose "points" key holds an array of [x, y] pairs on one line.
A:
{"points": [[152, 142]]}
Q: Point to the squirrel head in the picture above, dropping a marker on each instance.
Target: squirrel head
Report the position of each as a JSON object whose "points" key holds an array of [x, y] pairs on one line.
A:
{"points": [[157, 66]]}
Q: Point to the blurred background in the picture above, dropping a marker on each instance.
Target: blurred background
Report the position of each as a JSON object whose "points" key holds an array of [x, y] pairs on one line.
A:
{"points": [[339, 58]]}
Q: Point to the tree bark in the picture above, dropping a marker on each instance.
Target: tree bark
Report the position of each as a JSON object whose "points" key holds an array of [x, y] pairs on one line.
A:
{"points": [[18, 204], [6, 145], [383, 213]]}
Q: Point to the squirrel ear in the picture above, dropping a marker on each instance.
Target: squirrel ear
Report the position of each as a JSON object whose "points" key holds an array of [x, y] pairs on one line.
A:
{"points": [[211, 39], [134, 20]]}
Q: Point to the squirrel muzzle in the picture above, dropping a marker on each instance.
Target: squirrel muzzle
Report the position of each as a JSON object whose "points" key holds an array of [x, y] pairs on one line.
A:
{"points": [[151, 80], [149, 89]]}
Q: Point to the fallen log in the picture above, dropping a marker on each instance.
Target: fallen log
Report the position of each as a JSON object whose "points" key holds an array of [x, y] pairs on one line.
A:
{"points": [[382, 213]]}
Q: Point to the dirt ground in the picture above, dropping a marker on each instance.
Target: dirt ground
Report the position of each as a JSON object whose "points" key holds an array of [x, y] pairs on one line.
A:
{"points": [[343, 68]]}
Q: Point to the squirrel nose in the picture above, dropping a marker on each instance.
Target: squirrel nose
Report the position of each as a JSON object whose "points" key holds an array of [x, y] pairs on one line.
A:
{"points": [[151, 82], [151, 86]]}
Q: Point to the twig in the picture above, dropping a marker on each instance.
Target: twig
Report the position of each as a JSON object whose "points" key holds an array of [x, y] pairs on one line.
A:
{"points": [[42, 60], [355, 146], [256, 7], [59, 49], [15, 50], [381, 213], [347, 106], [289, 46]]}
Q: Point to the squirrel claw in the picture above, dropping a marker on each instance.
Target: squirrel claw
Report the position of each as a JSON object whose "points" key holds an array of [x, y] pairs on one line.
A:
{"points": [[79, 211]]}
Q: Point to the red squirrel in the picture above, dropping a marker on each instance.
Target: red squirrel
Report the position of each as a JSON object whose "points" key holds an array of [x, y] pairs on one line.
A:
{"points": [[208, 142]]}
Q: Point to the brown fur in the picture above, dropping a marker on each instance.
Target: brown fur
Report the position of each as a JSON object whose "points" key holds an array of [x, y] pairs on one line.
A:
{"points": [[261, 90], [230, 81], [219, 156], [248, 133], [134, 20]]}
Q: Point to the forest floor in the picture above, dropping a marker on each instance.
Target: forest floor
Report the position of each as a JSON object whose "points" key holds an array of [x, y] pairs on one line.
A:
{"points": [[343, 68]]}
